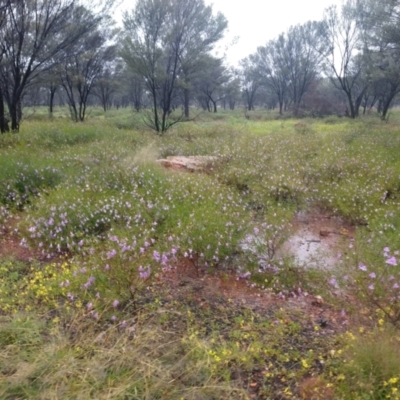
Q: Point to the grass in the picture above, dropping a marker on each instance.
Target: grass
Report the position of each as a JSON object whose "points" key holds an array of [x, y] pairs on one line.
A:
{"points": [[134, 281]]}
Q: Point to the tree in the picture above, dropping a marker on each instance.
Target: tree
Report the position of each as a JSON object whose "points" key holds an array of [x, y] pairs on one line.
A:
{"points": [[209, 83], [343, 63], [301, 50], [268, 60], [250, 81], [34, 34], [3, 13], [84, 62], [163, 41], [231, 91], [381, 37]]}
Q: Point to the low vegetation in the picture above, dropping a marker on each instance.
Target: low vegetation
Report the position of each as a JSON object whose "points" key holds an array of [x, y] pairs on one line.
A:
{"points": [[120, 279]]}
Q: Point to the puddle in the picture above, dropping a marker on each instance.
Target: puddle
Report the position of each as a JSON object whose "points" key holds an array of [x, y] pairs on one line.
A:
{"points": [[317, 241]]}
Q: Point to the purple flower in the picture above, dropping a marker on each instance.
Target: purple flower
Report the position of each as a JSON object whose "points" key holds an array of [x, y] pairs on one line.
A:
{"points": [[123, 324], [386, 249], [89, 306], [256, 231], [115, 303], [164, 259], [392, 261], [107, 267], [144, 273], [89, 282], [111, 254], [156, 256], [371, 287], [333, 282], [372, 275], [245, 275], [396, 286], [362, 267]]}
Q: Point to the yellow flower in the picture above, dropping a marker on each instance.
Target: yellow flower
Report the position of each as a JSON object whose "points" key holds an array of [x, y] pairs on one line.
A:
{"points": [[393, 380], [304, 364]]}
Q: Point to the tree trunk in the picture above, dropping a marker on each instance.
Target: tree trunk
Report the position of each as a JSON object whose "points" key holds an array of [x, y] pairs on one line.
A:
{"points": [[357, 103], [14, 117], [280, 107], [186, 94], [352, 113], [51, 99], [3, 123], [386, 104]]}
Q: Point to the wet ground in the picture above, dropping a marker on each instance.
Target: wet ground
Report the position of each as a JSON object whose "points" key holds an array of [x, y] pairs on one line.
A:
{"points": [[317, 240]]}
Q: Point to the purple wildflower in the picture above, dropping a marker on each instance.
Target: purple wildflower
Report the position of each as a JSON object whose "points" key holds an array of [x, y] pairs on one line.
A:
{"points": [[111, 254], [392, 261], [144, 273], [156, 256], [362, 267]]}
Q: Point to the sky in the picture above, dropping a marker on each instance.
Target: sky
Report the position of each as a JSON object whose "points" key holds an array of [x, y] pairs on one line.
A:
{"points": [[254, 22]]}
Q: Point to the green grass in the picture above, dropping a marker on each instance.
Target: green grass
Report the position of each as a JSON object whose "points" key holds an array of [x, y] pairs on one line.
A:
{"points": [[97, 315]]}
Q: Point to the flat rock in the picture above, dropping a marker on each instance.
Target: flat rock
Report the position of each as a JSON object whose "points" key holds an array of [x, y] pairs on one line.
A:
{"points": [[190, 163]]}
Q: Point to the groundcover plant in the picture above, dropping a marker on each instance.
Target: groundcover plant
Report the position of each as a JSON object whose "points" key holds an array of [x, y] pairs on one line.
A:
{"points": [[121, 279]]}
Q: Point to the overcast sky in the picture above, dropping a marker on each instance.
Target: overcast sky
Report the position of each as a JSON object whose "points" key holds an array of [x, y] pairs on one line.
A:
{"points": [[255, 22]]}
